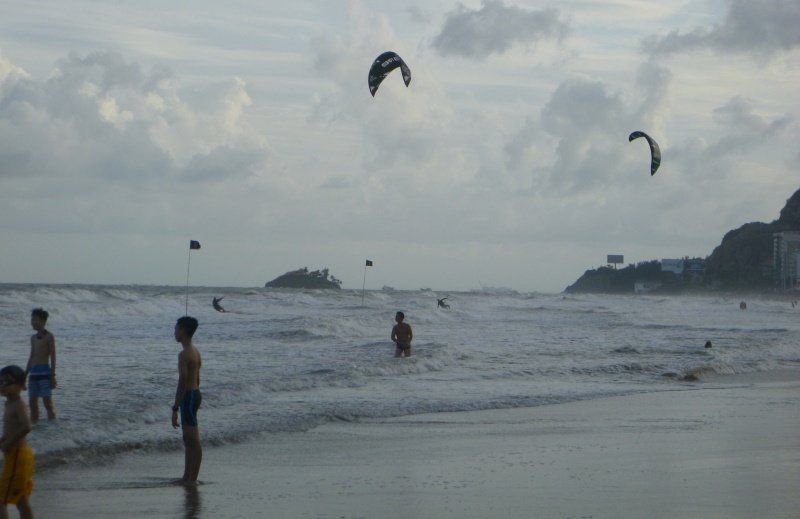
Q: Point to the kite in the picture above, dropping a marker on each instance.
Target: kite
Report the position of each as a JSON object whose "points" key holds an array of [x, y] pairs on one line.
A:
{"points": [[655, 152], [382, 66]]}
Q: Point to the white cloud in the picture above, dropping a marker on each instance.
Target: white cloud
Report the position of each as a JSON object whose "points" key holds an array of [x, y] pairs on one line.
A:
{"points": [[100, 121]]}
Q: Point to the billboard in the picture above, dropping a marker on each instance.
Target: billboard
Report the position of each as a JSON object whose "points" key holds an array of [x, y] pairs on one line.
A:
{"points": [[615, 259], [695, 265]]}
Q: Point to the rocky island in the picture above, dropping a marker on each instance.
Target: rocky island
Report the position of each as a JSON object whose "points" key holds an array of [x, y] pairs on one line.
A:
{"points": [[743, 261], [303, 278]]}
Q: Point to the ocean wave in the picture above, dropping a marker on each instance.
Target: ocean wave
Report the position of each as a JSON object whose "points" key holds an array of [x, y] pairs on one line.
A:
{"points": [[290, 360], [701, 372]]}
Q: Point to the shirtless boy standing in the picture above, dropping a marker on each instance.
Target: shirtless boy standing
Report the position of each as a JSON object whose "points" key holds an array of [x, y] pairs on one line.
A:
{"points": [[187, 398], [402, 335], [41, 366], [16, 482]]}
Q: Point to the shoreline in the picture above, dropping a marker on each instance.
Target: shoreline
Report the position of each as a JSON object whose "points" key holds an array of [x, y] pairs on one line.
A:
{"points": [[726, 448], [787, 295]]}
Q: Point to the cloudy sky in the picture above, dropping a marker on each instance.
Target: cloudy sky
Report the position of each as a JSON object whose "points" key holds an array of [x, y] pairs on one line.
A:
{"points": [[129, 128]]}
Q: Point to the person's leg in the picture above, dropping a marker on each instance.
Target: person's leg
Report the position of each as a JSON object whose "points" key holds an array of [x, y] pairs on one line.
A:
{"points": [[34, 403], [24, 508], [194, 453], [186, 460], [48, 405], [34, 393]]}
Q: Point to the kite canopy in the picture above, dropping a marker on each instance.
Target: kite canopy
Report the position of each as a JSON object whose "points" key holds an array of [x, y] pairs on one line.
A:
{"points": [[383, 64], [655, 151]]}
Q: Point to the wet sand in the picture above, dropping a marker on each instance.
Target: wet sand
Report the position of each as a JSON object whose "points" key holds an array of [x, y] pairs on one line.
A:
{"points": [[725, 448]]}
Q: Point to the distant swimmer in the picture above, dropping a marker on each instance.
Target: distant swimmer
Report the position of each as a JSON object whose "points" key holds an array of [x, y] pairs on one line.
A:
{"points": [[742, 306], [216, 305], [708, 344], [402, 335], [441, 303]]}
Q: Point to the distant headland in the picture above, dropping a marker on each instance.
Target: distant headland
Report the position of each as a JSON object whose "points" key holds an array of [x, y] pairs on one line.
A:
{"points": [[756, 257], [303, 278]]}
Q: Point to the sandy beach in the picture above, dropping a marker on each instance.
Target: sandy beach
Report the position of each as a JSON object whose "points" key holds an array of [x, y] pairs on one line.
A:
{"points": [[728, 448]]}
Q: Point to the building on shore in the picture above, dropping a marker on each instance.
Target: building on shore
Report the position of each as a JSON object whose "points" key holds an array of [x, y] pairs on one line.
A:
{"points": [[691, 270], [645, 287], [672, 265], [786, 259]]}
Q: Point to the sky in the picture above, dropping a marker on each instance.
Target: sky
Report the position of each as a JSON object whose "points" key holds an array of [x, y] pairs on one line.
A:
{"points": [[129, 128]]}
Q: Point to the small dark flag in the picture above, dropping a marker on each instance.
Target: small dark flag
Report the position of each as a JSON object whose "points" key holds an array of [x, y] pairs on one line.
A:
{"points": [[369, 263], [193, 244]]}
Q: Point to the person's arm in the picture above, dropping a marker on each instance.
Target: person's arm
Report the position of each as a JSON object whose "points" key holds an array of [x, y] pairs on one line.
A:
{"points": [[394, 333], [30, 358], [179, 392], [20, 428], [410, 334], [52, 345]]}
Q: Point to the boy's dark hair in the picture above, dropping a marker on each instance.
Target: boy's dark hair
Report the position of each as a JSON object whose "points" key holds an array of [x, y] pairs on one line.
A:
{"points": [[41, 313], [188, 325], [12, 375], [401, 314]]}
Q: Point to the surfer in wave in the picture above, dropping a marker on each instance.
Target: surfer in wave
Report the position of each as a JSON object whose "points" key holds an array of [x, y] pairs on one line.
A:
{"points": [[216, 305]]}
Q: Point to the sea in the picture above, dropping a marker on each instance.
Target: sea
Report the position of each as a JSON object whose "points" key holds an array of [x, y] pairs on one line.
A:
{"points": [[282, 360]]}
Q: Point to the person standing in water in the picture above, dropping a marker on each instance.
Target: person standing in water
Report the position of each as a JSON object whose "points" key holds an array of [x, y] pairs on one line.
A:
{"points": [[188, 398], [41, 366], [16, 481], [402, 335]]}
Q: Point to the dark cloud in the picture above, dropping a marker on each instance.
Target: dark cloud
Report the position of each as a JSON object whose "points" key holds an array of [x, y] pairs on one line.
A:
{"points": [[743, 130], [589, 123], [762, 27], [588, 120], [495, 28], [580, 106]]}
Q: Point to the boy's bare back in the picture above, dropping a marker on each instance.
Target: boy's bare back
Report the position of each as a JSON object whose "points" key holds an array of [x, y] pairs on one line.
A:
{"points": [[402, 334], [189, 363]]}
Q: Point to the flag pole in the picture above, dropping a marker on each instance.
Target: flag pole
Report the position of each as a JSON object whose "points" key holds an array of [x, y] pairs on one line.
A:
{"points": [[188, 266], [193, 244], [367, 263], [364, 285]]}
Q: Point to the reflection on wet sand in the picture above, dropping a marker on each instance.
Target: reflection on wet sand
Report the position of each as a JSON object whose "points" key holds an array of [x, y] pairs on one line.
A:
{"points": [[192, 502]]}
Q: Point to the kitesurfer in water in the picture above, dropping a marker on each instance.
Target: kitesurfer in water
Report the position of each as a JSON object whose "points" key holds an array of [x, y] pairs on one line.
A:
{"points": [[216, 305], [441, 303]]}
